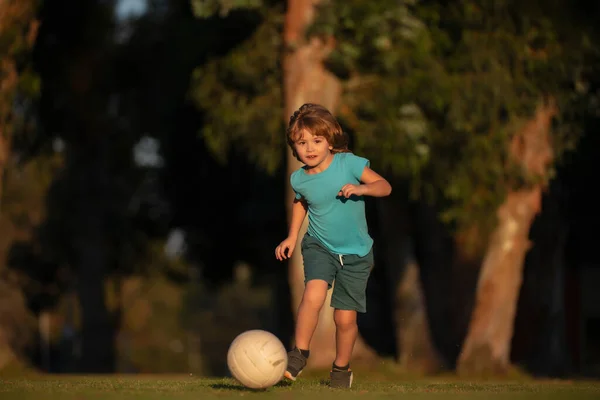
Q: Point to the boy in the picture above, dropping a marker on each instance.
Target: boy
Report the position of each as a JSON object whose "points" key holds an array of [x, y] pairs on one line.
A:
{"points": [[337, 246]]}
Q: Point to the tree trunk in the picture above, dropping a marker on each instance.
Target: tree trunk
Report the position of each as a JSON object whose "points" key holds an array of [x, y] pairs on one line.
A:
{"points": [[91, 254], [417, 352], [17, 324], [486, 349], [7, 355], [8, 85], [98, 340], [3, 161], [306, 80]]}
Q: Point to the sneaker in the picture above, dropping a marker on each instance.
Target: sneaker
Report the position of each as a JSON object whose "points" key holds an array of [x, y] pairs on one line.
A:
{"points": [[296, 363], [340, 378]]}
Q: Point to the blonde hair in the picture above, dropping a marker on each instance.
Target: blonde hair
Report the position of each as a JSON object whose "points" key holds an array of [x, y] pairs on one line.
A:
{"points": [[317, 120]]}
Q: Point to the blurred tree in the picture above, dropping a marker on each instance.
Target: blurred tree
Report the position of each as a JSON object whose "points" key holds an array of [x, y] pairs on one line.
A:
{"points": [[18, 31], [473, 101], [104, 207], [115, 123], [74, 56], [18, 86], [16, 323], [106, 214], [460, 98], [170, 42]]}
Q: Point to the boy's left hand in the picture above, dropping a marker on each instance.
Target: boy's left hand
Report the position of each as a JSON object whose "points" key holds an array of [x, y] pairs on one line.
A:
{"points": [[350, 189]]}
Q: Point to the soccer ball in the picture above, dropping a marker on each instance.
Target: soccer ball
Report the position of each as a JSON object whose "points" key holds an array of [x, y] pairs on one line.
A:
{"points": [[257, 359]]}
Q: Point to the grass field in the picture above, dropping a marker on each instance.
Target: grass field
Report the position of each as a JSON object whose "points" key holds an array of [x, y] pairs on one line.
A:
{"points": [[189, 387]]}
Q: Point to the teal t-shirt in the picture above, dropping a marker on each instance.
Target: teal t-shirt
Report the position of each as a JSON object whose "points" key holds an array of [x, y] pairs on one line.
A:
{"points": [[339, 223]]}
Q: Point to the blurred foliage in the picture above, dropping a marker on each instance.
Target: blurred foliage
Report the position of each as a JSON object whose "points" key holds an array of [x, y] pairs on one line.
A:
{"points": [[84, 211], [21, 183], [216, 317], [151, 338], [18, 32], [207, 8], [247, 84], [16, 323], [167, 327], [19, 87], [434, 90], [96, 212], [26, 186]]}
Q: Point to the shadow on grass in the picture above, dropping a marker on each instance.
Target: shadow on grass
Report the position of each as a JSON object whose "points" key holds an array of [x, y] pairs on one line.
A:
{"points": [[241, 388], [234, 387], [324, 382]]}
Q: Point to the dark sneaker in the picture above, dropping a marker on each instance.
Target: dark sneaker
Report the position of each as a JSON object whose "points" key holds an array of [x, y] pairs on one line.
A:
{"points": [[340, 378], [296, 363]]}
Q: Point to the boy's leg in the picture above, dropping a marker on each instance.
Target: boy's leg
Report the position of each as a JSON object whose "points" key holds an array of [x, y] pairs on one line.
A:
{"points": [[319, 272], [312, 301], [348, 298], [345, 335]]}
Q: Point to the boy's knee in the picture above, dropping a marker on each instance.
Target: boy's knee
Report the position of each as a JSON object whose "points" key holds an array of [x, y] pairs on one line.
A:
{"points": [[313, 300], [315, 294], [345, 319]]}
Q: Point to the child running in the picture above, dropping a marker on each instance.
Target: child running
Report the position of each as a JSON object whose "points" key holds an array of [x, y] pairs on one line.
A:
{"points": [[330, 188]]}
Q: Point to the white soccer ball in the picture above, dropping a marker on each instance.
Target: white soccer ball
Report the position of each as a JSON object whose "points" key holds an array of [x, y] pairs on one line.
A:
{"points": [[257, 359]]}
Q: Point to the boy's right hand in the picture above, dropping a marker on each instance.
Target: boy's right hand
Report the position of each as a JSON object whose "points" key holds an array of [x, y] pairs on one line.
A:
{"points": [[285, 248]]}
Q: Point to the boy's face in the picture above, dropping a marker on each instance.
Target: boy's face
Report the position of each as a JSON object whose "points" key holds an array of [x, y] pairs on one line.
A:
{"points": [[312, 150]]}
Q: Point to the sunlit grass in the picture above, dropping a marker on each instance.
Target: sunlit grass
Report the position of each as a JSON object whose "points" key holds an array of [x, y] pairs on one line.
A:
{"points": [[312, 387]]}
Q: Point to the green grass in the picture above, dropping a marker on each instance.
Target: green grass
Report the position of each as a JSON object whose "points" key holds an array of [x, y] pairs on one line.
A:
{"points": [[52, 387]]}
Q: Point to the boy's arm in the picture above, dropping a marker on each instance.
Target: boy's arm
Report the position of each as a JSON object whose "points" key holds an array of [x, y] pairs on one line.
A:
{"points": [[299, 210], [286, 248], [374, 184]]}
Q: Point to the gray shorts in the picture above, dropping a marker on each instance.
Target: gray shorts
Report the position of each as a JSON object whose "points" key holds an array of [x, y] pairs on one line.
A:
{"points": [[350, 273]]}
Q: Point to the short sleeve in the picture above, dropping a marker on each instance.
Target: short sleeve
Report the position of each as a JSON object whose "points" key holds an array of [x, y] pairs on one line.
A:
{"points": [[357, 165], [292, 183]]}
